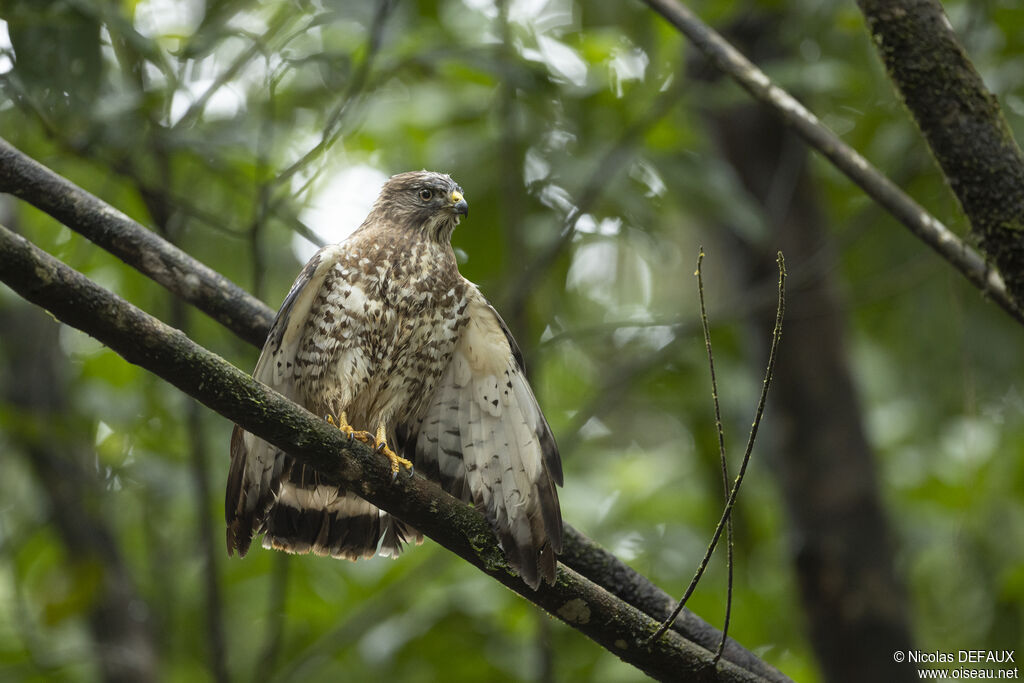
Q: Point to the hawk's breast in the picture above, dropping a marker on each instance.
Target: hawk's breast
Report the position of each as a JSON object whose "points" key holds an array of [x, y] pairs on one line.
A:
{"points": [[381, 332]]}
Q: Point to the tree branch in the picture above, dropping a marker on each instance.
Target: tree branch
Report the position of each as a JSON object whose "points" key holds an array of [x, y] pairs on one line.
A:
{"points": [[913, 216], [962, 123], [145, 341], [588, 558], [94, 219]]}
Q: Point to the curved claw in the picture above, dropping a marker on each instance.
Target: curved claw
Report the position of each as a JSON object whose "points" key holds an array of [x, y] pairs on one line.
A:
{"points": [[410, 471]]}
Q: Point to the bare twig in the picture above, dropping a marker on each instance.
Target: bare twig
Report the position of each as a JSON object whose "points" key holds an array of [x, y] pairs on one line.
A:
{"points": [[721, 449], [141, 339], [349, 98], [727, 512], [913, 216]]}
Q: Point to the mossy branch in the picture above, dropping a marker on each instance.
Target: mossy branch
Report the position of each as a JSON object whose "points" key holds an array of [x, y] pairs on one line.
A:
{"points": [[962, 123]]}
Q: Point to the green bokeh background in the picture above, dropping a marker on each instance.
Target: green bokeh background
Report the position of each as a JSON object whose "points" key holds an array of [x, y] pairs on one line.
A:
{"points": [[522, 105]]}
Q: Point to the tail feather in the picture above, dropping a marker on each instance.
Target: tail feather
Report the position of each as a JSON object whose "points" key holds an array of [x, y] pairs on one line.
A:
{"points": [[254, 481], [346, 528], [325, 520], [396, 534]]}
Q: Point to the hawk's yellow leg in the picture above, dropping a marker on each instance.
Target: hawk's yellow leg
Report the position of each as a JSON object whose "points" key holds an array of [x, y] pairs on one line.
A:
{"points": [[378, 441], [343, 425], [381, 445]]}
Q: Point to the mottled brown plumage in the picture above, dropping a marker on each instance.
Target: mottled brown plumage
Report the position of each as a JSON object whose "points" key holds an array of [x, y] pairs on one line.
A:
{"points": [[383, 329]]}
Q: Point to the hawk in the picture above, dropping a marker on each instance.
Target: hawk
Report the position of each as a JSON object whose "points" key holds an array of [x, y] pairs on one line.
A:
{"points": [[381, 332]]}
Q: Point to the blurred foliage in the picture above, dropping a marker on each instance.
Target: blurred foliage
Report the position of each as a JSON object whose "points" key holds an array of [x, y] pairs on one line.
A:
{"points": [[221, 122]]}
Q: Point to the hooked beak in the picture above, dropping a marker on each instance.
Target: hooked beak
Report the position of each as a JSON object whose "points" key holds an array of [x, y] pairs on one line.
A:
{"points": [[459, 204]]}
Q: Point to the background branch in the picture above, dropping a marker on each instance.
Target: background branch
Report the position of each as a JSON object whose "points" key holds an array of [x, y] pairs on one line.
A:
{"points": [[187, 278], [962, 122], [119, 619], [818, 447], [921, 223]]}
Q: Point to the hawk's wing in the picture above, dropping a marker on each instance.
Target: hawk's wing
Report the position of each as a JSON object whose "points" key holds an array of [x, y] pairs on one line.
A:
{"points": [[485, 439], [254, 478]]}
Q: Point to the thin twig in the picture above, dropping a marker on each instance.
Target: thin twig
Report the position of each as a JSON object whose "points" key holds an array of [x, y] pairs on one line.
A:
{"points": [[332, 129], [721, 450], [776, 337], [907, 211]]}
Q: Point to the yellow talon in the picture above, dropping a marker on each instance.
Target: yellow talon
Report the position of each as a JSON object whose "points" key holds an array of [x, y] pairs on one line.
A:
{"points": [[381, 446], [345, 428], [378, 443]]}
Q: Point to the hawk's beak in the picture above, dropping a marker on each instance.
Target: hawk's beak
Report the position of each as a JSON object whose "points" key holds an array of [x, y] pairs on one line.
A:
{"points": [[459, 203]]}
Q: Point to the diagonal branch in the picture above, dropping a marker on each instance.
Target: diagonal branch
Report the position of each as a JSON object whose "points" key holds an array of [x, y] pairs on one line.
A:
{"points": [[961, 121], [141, 339], [86, 214], [890, 197]]}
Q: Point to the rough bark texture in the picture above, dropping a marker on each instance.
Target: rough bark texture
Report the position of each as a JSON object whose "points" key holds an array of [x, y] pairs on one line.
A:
{"points": [[603, 568], [141, 339], [185, 277], [855, 604], [118, 620], [962, 123]]}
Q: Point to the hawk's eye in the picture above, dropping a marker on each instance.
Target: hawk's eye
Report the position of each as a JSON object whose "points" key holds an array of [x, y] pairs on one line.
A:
{"points": [[426, 194]]}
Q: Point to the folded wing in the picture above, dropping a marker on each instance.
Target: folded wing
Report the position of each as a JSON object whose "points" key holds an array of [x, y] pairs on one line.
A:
{"points": [[485, 439], [257, 467]]}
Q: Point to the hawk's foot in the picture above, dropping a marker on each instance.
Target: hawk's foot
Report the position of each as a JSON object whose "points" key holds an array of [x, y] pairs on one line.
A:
{"points": [[342, 424], [397, 462]]}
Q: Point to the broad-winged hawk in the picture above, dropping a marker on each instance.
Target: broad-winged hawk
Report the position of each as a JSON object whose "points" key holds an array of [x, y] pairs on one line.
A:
{"points": [[383, 332]]}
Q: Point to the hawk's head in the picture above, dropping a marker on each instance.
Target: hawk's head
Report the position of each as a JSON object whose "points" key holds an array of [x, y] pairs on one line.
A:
{"points": [[423, 201]]}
